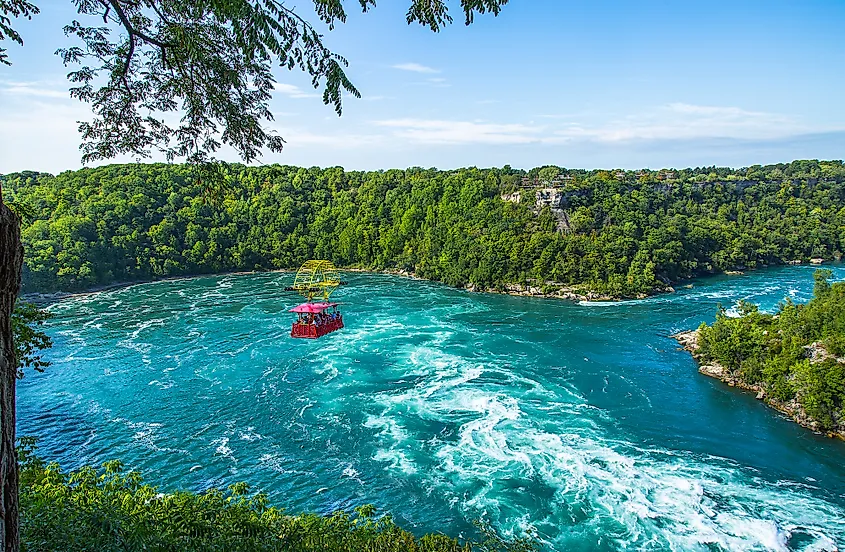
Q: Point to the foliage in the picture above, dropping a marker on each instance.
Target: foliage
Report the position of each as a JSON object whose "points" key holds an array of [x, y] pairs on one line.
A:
{"points": [[113, 509], [29, 340], [8, 10], [772, 350], [186, 77], [627, 235]]}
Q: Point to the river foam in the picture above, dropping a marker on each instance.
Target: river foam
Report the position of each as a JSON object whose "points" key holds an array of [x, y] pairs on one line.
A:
{"points": [[565, 477]]}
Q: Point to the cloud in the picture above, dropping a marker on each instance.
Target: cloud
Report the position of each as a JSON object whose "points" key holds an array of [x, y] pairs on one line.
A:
{"points": [[40, 135], [293, 91], [434, 82], [676, 121], [462, 132], [415, 67], [681, 121], [299, 138], [33, 90], [438, 82]]}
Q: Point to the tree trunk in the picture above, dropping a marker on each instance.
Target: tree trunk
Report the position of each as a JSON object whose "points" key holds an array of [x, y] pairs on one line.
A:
{"points": [[11, 258]]}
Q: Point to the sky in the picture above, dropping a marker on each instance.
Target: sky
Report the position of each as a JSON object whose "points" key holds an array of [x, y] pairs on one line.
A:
{"points": [[574, 83]]}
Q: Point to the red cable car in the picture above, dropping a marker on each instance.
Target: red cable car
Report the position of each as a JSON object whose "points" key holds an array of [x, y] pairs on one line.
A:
{"points": [[315, 320], [314, 279]]}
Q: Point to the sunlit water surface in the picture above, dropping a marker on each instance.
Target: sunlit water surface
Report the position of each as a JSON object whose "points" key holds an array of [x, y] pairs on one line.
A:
{"points": [[582, 421]]}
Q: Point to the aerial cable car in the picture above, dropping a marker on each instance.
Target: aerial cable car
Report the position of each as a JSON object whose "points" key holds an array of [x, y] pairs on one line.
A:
{"points": [[316, 280]]}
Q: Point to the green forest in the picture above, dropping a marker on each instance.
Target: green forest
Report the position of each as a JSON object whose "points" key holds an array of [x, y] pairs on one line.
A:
{"points": [[619, 233], [792, 354]]}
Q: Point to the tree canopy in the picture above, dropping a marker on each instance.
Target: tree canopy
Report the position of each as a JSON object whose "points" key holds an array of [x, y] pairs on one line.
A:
{"points": [[184, 77]]}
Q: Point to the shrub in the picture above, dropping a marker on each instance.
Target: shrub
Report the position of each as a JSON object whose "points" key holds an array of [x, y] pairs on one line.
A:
{"points": [[114, 510]]}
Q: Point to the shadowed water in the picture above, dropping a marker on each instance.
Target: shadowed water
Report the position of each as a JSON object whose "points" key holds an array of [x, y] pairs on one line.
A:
{"points": [[582, 421]]}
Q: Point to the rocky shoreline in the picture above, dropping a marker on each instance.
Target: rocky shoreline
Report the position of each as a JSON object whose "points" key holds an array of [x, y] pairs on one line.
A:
{"points": [[559, 290], [555, 290], [792, 409]]}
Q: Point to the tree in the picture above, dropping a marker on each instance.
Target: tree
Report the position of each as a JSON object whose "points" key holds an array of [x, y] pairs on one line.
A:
{"points": [[29, 340], [209, 61], [11, 257]]}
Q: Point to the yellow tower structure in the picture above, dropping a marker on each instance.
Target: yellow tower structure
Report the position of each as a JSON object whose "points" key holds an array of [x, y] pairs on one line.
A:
{"points": [[316, 278]]}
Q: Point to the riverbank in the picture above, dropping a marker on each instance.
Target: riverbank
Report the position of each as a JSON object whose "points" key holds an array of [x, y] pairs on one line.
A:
{"points": [[111, 506], [550, 290], [534, 288], [792, 409], [558, 290]]}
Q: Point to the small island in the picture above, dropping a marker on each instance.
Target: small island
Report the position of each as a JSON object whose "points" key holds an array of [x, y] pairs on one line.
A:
{"points": [[793, 360]]}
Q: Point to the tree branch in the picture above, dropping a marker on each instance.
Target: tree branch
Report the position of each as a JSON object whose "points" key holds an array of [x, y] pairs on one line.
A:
{"points": [[152, 4], [124, 20], [129, 58]]}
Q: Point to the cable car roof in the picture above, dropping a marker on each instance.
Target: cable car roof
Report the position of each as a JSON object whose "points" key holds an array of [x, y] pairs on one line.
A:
{"points": [[313, 307]]}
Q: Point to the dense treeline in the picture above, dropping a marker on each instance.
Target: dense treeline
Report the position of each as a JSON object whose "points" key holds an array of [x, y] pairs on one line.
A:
{"points": [[626, 233], [113, 509], [791, 355]]}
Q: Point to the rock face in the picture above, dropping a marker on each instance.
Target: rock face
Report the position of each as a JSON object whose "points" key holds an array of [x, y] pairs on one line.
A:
{"points": [[793, 409], [554, 290], [816, 352]]}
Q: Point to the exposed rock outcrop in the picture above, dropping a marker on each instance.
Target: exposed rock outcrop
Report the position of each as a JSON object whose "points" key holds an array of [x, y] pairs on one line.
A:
{"points": [[552, 289], [816, 352]]}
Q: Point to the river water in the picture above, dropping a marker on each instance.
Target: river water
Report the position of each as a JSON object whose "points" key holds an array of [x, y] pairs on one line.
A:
{"points": [[582, 421]]}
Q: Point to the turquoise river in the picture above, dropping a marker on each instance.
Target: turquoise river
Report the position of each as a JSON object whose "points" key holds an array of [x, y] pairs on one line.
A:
{"points": [[582, 421]]}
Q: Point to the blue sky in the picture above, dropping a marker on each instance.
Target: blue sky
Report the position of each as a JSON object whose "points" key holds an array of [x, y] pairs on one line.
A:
{"points": [[586, 84]]}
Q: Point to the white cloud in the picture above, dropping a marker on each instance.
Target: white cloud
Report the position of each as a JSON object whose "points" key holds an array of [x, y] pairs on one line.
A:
{"points": [[681, 121], [293, 91], [462, 132], [33, 90], [40, 136], [32, 124], [676, 121], [297, 139], [438, 82], [415, 67]]}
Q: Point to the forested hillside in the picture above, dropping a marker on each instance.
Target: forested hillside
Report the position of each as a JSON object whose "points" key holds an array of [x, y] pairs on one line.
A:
{"points": [[625, 233]]}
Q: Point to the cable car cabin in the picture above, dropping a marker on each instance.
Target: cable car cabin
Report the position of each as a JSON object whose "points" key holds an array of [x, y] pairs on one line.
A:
{"points": [[316, 320]]}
